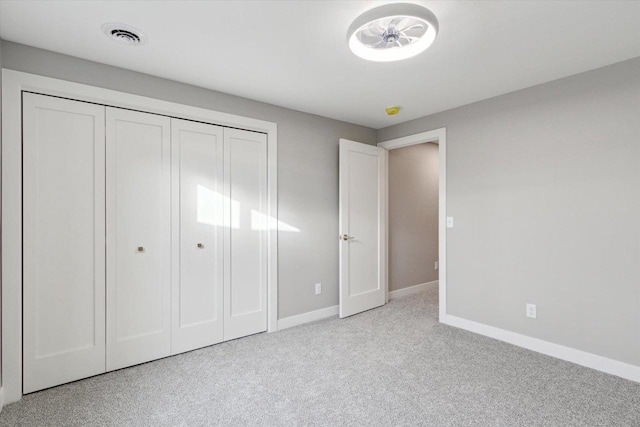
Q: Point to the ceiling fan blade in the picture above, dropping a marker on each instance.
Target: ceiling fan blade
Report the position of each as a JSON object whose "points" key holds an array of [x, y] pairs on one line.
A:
{"points": [[373, 31], [397, 22], [370, 40], [411, 27], [410, 38]]}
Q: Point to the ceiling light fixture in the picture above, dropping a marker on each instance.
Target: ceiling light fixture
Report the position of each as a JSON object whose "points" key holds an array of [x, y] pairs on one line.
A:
{"points": [[124, 34], [392, 32]]}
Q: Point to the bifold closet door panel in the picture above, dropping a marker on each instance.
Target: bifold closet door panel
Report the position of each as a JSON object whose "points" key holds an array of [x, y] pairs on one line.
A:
{"points": [[63, 241], [198, 214], [246, 229], [138, 237]]}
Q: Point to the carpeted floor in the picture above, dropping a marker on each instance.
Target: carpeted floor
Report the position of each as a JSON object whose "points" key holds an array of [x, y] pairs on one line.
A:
{"points": [[390, 366]]}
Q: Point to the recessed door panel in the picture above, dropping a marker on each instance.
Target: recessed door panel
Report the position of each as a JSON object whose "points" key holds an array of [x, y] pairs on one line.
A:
{"points": [[363, 220], [246, 227], [138, 237], [198, 215], [63, 244]]}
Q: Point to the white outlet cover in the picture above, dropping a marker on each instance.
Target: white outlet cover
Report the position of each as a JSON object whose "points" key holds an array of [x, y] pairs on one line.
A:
{"points": [[318, 288], [531, 311], [437, 265], [449, 222]]}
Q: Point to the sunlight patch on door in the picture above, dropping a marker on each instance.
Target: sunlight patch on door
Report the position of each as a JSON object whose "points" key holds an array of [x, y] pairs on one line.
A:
{"points": [[212, 206], [260, 221]]}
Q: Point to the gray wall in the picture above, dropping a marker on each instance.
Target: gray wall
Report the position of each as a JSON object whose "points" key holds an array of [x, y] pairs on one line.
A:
{"points": [[544, 186], [307, 166], [413, 215], [0, 229]]}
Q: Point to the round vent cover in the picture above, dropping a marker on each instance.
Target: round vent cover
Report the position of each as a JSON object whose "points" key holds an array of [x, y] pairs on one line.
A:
{"points": [[125, 34], [392, 32]]}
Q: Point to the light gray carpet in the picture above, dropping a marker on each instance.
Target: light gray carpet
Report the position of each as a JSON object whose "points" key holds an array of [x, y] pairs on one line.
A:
{"points": [[390, 366]]}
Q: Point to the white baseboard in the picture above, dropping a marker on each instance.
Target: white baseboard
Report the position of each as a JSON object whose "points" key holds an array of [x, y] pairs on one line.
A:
{"points": [[411, 290], [579, 357], [312, 316]]}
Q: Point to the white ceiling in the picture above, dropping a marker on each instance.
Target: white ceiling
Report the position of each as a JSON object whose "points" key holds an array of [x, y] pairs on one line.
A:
{"points": [[294, 53]]}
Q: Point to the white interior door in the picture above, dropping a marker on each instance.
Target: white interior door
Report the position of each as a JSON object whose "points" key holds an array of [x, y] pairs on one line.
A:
{"points": [[246, 227], [198, 214], [63, 246], [138, 237], [363, 275]]}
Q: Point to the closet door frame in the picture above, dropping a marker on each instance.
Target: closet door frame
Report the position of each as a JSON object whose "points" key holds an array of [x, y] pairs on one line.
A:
{"points": [[14, 83]]}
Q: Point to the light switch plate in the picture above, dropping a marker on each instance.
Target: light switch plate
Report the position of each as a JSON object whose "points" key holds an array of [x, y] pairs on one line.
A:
{"points": [[449, 222], [318, 288]]}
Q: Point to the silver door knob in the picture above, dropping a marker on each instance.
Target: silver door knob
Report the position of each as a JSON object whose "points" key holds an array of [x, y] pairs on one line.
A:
{"points": [[140, 248], [200, 245], [346, 237]]}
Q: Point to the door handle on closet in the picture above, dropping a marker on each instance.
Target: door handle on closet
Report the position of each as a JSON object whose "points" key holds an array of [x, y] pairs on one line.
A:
{"points": [[346, 237], [200, 245], [140, 248]]}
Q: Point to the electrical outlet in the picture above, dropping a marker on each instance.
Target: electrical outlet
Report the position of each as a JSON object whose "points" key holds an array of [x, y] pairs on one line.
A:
{"points": [[318, 288], [449, 222], [531, 310], [436, 266]]}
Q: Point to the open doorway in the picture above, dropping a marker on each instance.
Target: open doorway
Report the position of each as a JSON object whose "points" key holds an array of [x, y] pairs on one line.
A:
{"points": [[413, 220], [417, 217]]}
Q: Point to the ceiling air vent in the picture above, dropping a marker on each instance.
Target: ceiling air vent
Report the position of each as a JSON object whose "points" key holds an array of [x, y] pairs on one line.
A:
{"points": [[124, 34]]}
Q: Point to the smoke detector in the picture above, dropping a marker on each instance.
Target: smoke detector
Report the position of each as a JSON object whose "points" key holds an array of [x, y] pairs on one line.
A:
{"points": [[392, 111], [392, 32], [124, 34]]}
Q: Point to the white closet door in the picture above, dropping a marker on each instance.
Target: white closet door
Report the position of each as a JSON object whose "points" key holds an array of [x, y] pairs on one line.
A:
{"points": [[63, 246], [138, 237], [246, 227], [198, 207]]}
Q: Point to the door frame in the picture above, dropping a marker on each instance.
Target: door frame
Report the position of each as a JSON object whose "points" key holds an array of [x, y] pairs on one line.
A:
{"points": [[13, 84], [437, 136]]}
